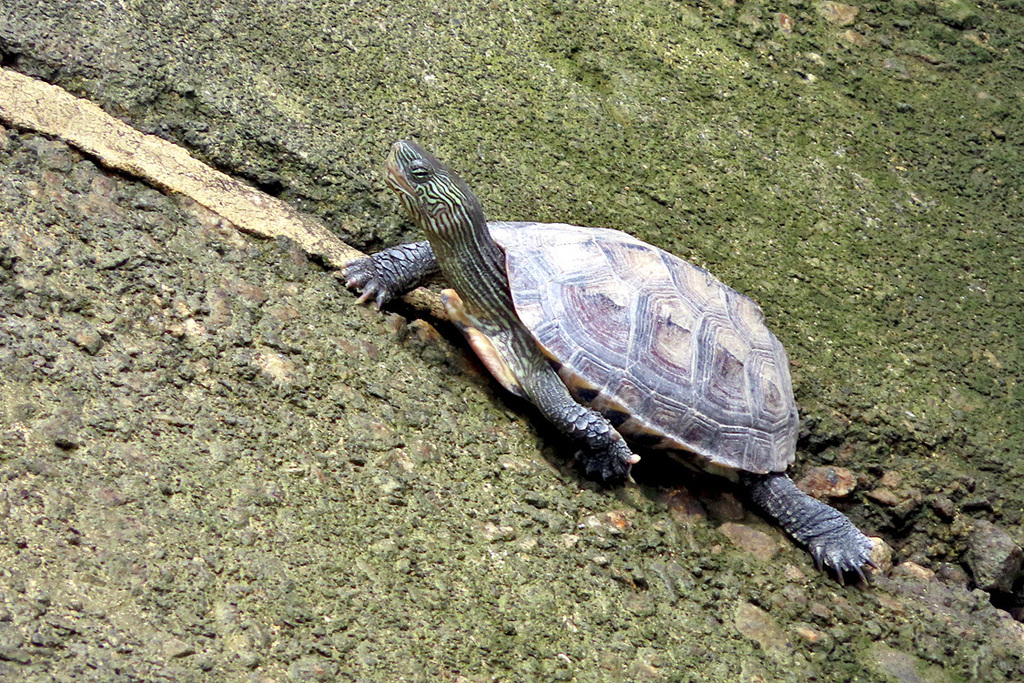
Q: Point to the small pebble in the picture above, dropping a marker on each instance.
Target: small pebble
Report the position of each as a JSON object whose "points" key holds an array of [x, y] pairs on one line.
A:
{"points": [[993, 557], [757, 543], [684, 508], [89, 340], [828, 482], [913, 570], [881, 554], [175, 648]]}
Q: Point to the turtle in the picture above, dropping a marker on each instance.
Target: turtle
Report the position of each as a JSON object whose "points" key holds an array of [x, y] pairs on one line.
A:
{"points": [[616, 342]]}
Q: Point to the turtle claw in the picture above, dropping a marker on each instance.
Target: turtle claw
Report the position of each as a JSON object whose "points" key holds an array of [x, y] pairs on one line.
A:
{"points": [[860, 574], [843, 560], [818, 555], [610, 466], [362, 276], [365, 296]]}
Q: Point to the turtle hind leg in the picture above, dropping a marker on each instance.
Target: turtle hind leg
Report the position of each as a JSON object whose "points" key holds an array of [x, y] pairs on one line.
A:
{"points": [[830, 537]]}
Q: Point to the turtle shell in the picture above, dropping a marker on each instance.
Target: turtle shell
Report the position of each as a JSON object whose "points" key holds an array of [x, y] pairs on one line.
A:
{"points": [[671, 356]]}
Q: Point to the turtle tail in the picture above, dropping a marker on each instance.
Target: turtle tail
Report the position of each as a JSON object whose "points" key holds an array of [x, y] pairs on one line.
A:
{"points": [[828, 534]]}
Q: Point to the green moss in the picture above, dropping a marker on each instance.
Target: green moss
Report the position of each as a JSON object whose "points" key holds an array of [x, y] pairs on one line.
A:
{"points": [[866, 192]]}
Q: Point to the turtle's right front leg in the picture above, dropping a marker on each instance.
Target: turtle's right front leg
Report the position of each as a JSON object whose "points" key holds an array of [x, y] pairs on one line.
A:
{"points": [[391, 272], [604, 453]]}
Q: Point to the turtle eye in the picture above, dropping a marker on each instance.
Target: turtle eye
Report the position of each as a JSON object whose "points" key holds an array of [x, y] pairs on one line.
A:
{"points": [[419, 169]]}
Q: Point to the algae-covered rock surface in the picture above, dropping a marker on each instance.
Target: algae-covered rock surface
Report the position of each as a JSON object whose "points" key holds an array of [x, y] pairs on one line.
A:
{"points": [[214, 466]]}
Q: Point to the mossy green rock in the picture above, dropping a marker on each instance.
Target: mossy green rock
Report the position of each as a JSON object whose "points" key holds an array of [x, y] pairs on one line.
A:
{"points": [[213, 466]]}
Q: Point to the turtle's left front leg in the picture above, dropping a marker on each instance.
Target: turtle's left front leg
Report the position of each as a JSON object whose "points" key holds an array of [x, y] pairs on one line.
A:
{"points": [[391, 272]]}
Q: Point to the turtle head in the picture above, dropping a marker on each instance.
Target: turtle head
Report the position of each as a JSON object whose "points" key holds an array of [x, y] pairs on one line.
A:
{"points": [[437, 200]]}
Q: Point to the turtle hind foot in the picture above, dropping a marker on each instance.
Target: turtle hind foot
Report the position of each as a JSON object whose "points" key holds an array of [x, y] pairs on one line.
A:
{"points": [[845, 553], [830, 537]]}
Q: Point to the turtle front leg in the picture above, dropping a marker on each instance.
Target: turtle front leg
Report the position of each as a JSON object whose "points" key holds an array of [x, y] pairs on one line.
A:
{"points": [[605, 453], [828, 534], [391, 272]]}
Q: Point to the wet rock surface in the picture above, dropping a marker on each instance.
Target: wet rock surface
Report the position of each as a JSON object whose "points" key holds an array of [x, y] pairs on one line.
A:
{"points": [[213, 467]]}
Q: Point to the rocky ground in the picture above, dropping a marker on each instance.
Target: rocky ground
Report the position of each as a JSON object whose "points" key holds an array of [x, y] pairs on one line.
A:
{"points": [[213, 466]]}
